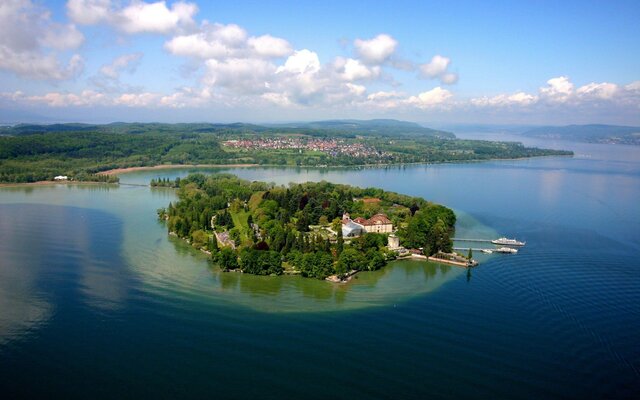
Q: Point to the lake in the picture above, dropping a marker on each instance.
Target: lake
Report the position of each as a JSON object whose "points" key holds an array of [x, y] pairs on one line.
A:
{"points": [[96, 300]]}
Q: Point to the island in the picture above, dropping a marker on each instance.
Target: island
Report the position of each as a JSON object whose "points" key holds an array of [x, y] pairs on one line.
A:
{"points": [[318, 230], [30, 153]]}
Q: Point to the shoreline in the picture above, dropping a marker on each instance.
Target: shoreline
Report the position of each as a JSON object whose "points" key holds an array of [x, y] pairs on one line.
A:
{"points": [[51, 183], [117, 171]]}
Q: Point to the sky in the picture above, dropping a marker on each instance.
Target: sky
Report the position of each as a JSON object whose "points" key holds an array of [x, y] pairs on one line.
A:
{"points": [[432, 62]]}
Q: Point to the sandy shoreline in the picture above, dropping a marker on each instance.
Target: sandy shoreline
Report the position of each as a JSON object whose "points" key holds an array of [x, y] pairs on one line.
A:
{"points": [[117, 171]]}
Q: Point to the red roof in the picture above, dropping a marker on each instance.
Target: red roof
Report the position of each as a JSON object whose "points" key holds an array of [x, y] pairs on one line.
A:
{"points": [[378, 219]]}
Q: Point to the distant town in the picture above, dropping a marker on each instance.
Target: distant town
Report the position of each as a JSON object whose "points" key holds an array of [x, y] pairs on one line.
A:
{"points": [[332, 147]]}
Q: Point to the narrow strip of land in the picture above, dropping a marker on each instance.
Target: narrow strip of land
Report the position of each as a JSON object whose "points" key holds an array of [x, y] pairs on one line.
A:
{"points": [[117, 171]]}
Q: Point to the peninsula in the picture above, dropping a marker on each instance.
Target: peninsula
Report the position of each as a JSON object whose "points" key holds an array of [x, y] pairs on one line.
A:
{"points": [[30, 153], [317, 230]]}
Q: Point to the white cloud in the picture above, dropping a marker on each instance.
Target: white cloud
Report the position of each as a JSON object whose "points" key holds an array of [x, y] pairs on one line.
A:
{"points": [[301, 62], [438, 68], [156, 17], [602, 90], [376, 50], [518, 99], [186, 97], [196, 45], [279, 99], [29, 41], [127, 62], [220, 41], [89, 12], [559, 96], [353, 70], [357, 90], [137, 17], [269, 47], [62, 37], [633, 86], [136, 99], [559, 89], [240, 75], [382, 95], [431, 98], [57, 99]]}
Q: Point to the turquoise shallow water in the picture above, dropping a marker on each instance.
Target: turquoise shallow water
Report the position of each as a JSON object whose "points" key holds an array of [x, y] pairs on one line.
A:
{"points": [[96, 300]]}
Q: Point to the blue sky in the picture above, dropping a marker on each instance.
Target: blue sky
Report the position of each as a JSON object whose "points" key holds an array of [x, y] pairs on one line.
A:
{"points": [[431, 62]]}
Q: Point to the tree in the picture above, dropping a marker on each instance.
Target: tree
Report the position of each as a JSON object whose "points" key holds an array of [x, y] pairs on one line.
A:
{"points": [[375, 260], [438, 239], [351, 259], [213, 246], [339, 243], [227, 259], [199, 239], [470, 255]]}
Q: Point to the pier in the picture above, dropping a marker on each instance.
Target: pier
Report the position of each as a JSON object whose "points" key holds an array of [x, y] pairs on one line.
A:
{"points": [[472, 240], [472, 249]]}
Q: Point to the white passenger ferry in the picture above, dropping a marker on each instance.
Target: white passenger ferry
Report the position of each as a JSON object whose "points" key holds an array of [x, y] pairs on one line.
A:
{"points": [[508, 242]]}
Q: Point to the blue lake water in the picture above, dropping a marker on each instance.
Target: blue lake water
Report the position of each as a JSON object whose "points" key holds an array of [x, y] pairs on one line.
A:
{"points": [[97, 301]]}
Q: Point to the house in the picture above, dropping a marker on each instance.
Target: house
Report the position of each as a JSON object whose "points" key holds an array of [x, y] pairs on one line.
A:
{"points": [[379, 223], [60, 178]]}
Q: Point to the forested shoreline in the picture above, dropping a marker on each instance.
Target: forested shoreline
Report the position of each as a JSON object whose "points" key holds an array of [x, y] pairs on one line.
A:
{"points": [[30, 153]]}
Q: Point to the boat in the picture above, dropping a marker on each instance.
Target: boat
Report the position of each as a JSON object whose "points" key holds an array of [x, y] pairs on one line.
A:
{"points": [[507, 250], [508, 242], [487, 251]]}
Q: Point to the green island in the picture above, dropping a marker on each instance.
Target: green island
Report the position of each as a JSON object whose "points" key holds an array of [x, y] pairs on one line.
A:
{"points": [[79, 152], [318, 230]]}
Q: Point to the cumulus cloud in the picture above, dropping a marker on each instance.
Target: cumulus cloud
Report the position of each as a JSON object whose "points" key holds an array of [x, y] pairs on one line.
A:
{"points": [[301, 62], [519, 99], [243, 76], [376, 50], [30, 41], [137, 17], [269, 47], [64, 99], [136, 99], [89, 12], [353, 70], [438, 68], [558, 89], [602, 90], [219, 41], [127, 62], [431, 98], [560, 95]]}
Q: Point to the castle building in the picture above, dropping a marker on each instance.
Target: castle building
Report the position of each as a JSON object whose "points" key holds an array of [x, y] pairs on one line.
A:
{"points": [[379, 223]]}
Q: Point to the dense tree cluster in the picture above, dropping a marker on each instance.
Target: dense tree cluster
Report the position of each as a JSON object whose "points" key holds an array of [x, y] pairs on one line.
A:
{"points": [[262, 225], [42, 156]]}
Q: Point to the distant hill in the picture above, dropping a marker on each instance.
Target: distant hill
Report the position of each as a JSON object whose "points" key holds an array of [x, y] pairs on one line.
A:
{"points": [[376, 127], [372, 126], [589, 133]]}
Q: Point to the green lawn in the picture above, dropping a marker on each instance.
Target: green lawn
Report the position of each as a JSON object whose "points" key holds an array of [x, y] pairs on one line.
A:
{"points": [[240, 221]]}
